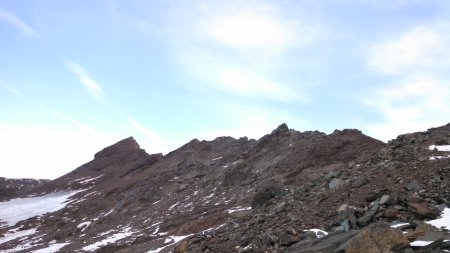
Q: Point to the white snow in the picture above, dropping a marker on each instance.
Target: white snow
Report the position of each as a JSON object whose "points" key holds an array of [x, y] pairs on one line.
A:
{"points": [[84, 225], [217, 158], [11, 236], [317, 231], [111, 239], [399, 225], [16, 210], [109, 212], [238, 209], [444, 221], [439, 157], [174, 205], [171, 240], [419, 243], [51, 249], [440, 147], [91, 179]]}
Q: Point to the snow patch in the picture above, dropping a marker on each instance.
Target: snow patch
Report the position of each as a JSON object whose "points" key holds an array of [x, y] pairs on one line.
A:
{"points": [[445, 148], [217, 158], [91, 179], [444, 221], [419, 243], [84, 225], [109, 212], [238, 209], [172, 240], [111, 239], [11, 236], [399, 225], [51, 249], [439, 157], [174, 205], [15, 210], [319, 233]]}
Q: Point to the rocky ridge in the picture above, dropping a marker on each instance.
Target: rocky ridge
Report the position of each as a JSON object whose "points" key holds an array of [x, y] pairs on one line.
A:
{"points": [[244, 195]]}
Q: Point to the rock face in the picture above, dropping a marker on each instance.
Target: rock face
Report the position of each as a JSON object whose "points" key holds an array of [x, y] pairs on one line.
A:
{"points": [[13, 188], [245, 195]]}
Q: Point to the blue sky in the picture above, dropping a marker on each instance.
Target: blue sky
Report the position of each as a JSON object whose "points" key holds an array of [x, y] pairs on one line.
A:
{"points": [[76, 76]]}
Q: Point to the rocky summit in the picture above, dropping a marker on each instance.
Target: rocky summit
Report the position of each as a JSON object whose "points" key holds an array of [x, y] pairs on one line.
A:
{"points": [[289, 191]]}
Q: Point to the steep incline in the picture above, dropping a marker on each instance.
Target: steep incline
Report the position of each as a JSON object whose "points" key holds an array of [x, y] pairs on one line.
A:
{"points": [[237, 195]]}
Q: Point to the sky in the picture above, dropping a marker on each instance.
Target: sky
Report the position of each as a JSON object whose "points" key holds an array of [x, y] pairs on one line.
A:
{"points": [[77, 76]]}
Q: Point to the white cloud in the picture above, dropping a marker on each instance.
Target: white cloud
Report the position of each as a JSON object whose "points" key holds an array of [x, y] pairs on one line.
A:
{"points": [[240, 48], [250, 30], [421, 47], [18, 23], [418, 96], [91, 85], [415, 104], [35, 152]]}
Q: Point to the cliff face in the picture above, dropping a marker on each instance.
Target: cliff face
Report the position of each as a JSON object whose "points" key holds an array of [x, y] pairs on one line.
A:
{"points": [[241, 195]]}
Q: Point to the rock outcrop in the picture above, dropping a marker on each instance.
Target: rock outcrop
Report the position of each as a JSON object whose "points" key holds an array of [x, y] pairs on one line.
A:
{"points": [[245, 195]]}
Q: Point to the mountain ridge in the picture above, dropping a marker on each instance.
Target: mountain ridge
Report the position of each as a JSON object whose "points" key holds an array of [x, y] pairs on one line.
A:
{"points": [[209, 191]]}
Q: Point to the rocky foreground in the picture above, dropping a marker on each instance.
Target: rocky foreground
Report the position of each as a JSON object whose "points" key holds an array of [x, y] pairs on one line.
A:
{"points": [[289, 191]]}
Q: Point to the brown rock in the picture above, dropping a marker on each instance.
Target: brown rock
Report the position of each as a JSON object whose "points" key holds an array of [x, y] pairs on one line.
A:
{"points": [[421, 210], [377, 238], [390, 212]]}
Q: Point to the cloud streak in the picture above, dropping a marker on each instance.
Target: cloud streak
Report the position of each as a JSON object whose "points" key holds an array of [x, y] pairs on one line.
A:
{"points": [[58, 114], [89, 83], [18, 23], [422, 47], [240, 49], [418, 95]]}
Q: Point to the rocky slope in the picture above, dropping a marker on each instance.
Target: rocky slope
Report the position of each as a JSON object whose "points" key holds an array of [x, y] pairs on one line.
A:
{"points": [[241, 195], [15, 187]]}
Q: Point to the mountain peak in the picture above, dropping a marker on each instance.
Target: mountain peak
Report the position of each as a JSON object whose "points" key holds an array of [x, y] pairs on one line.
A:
{"points": [[281, 129], [122, 147]]}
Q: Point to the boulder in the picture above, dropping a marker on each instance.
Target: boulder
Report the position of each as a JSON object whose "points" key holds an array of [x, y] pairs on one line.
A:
{"points": [[377, 238], [367, 217], [267, 194], [421, 210], [413, 186], [288, 239], [335, 183], [360, 181]]}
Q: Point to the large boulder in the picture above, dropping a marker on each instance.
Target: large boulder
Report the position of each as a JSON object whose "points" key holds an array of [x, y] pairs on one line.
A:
{"points": [[377, 238]]}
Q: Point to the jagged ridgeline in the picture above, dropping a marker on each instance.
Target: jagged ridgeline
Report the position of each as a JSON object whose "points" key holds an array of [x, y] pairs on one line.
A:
{"points": [[289, 191]]}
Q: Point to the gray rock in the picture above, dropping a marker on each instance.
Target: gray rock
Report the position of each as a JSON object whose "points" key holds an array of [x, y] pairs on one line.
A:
{"points": [[336, 183], [288, 239], [331, 175], [360, 181], [384, 199], [326, 244], [413, 186], [367, 217]]}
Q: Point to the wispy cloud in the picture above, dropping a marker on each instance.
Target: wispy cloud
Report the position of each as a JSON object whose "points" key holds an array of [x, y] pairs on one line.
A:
{"points": [[85, 78], [152, 140], [56, 113], [240, 48], [417, 95], [416, 104], [18, 23], [419, 48], [246, 30]]}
